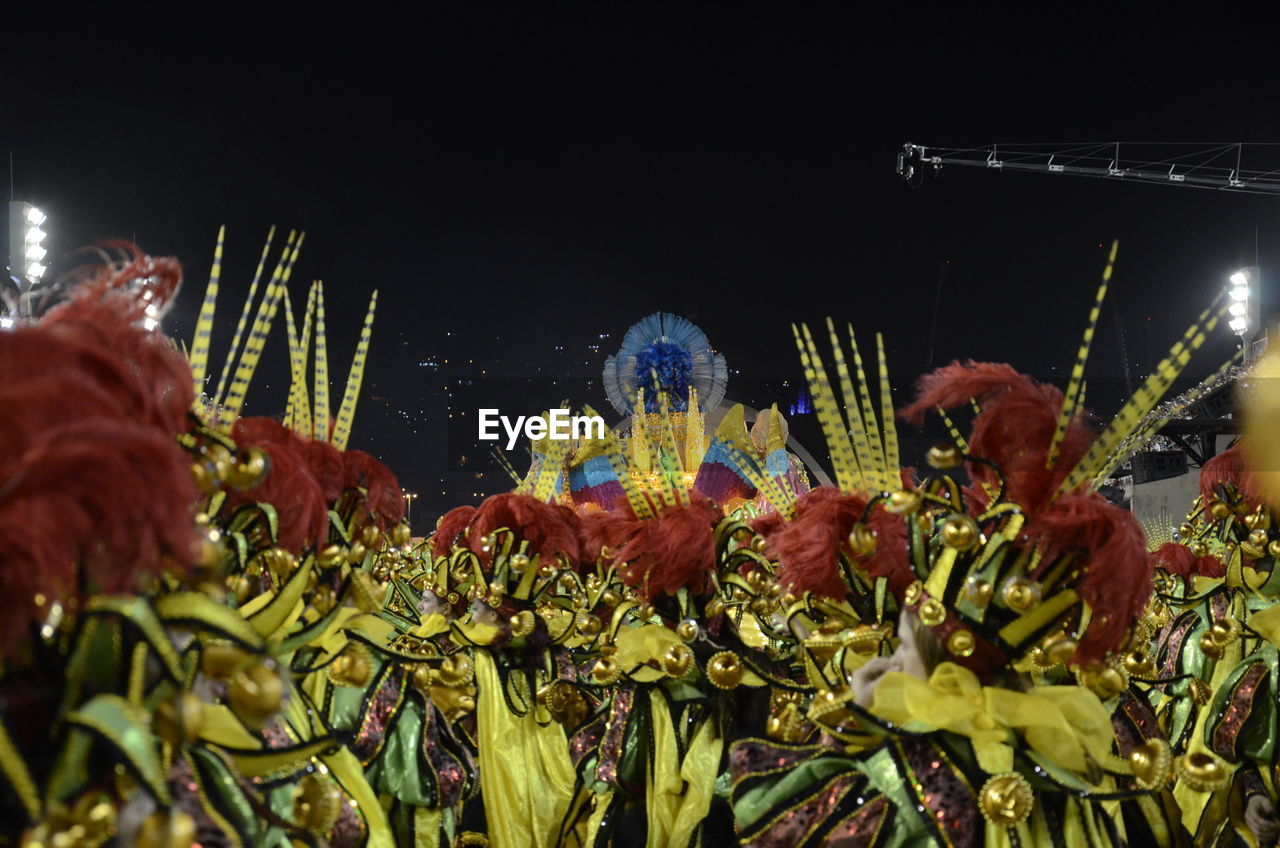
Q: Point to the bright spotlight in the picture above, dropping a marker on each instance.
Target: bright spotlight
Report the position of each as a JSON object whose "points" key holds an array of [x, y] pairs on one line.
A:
{"points": [[1239, 278], [35, 235], [1238, 309], [35, 252], [1240, 293], [35, 271], [35, 216], [1238, 325]]}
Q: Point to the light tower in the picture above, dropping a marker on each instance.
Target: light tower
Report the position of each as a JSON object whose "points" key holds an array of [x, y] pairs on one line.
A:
{"points": [[1246, 314], [26, 249]]}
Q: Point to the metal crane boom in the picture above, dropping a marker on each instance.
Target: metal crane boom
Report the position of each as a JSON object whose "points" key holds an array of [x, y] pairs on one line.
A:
{"points": [[1211, 166]]}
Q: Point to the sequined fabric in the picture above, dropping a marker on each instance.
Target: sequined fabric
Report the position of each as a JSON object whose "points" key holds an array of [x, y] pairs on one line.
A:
{"points": [[586, 739], [380, 708], [862, 829], [945, 798], [451, 776], [793, 826], [757, 757], [614, 733], [1171, 648], [1239, 706]]}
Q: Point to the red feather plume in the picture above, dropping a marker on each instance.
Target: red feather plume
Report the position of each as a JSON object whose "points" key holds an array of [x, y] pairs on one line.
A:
{"points": [[290, 485], [451, 525], [384, 501], [1178, 559], [1230, 467], [672, 551], [549, 529]]}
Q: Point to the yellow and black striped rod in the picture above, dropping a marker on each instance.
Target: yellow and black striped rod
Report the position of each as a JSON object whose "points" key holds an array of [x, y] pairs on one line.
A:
{"points": [[234, 350], [199, 358], [347, 411]]}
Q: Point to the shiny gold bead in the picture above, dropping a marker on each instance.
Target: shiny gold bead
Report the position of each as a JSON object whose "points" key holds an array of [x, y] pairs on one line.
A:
{"points": [[759, 606], [676, 660], [961, 643], [496, 590], [317, 803], [943, 456], [1198, 549], [220, 660], [862, 540], [171, 829], [1219, 510], [240, 586], [932, 612], [1225, 630], [1258, 538], [904, 502], [1202, 772], [371, 536], [330, 556], [724, 670], [610, 598], [687, 630], [1138, 664], [257, 693], [452, 598], [1211, 647], [714, 607], [353, 667], [1060, 649], [644, 612], [1199, 691], [546, 570], [522, 623], [605, 672], [913, 593], [401, 535], [1186, 531], [1006, 800], [250, 471], [422, 675], [356, 553], [979, 591], [1152, 764], [758, 544], [518, 562], [179, 721], [607, 649], [1104, 681], [1021, 594], [589, 625], [456, 670], [960, 532], [1273, 548]]}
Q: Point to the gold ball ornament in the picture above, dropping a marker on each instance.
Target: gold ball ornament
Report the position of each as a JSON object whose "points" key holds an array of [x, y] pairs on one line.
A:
{"points": [[1006, 799], [960, 532], [1198, 549], [456, 670], [1220, 510], [1020, 594], [1060, 649], [179, 721], [401, 535], [932, 612], [220, 659], [1105, 682], [589, 625], [606, 671], [687, 630], [1138, 664], [1258, 538], [353, 667], [1199, 691], [316, 804], [356, 553], [250, 471], [943, 456], [676, 660], [1152, 764], [862, 540], [714, 607], [522, 623], [913, 593], [1202, 772], [1211, 647], [423, 675], [173, 829], [904, 502], [371, 536], [518, 562], [758, 544], [979, 591], [257, 693], [961, 643], [724, 670], [610, 598], [1273, 549]]}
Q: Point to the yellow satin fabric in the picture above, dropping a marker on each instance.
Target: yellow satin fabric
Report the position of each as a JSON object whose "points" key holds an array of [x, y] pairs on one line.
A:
{"points": [[1066, 724], [526, 775], [678, 795]]}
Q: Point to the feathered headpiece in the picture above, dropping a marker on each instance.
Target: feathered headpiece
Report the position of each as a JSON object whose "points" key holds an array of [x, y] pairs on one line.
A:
{"points": [[664, 355]]}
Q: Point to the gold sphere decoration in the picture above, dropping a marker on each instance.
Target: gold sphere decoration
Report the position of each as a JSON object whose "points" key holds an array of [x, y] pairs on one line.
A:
{"points": [[644, 612], [331, 555], [1060, 649], [1273, 548], [862, 539], [1006, 799], [522, 623], [589, 625], [220, 660], [676, 660], [724, 670], [1186, 531], [1225, 631], [371, 536], [606, 672], [960, 532], [932, 612], [1202, 772], [1152, 764], [1211, 647], [353, 667], [257, 693], [1219, 510], [179, 721], [610, 598], [961, 643], [714, 607], [904, 502], [456, 670], [316, 804], [1138, 664], [250, 471], [356, 553], [943, 456], [1258, 538], [172, 829], [518, 562], [422, 675], [913, 593], [1198, 549], [1105, 682], [1199, 691], [401, 535], [687, 630], [759, 543], [1021, 594]]}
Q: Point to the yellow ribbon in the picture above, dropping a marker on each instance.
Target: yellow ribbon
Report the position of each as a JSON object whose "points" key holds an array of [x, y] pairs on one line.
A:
{"points": [[1066, 724]]}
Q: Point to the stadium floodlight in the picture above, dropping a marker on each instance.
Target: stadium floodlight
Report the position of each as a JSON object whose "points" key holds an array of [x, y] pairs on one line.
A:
{"points": [[1242, 305]]}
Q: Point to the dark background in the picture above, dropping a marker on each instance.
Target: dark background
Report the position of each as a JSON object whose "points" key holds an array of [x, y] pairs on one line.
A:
{"points": [[519, 178]]}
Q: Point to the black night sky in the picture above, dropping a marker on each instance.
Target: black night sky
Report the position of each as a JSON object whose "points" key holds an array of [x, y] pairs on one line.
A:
{"points": [[519, 178]]}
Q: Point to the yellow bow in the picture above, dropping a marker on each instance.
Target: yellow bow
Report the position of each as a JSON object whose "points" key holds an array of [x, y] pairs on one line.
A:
{"points": [[1066, 724]]}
